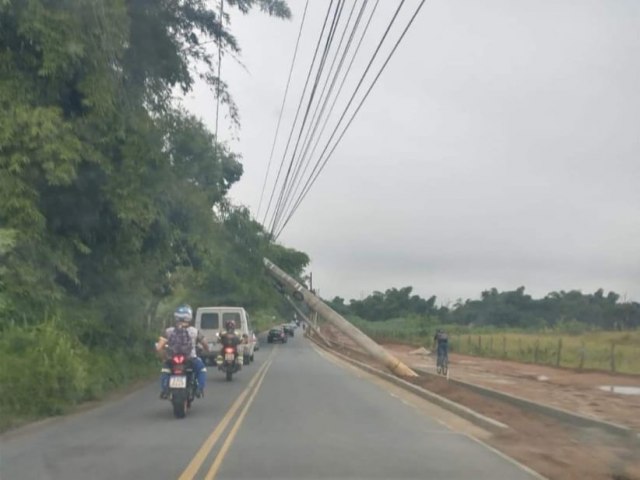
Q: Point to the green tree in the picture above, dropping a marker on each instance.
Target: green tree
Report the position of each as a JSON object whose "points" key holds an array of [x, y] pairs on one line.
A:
{"points": [[106, 184]]}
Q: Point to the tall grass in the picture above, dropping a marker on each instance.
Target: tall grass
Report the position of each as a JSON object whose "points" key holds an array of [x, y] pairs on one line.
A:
{"points": [[45, 369], [606, 351]]}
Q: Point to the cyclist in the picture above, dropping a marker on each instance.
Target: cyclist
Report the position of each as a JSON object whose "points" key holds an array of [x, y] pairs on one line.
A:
{"points": [[441, 342]]}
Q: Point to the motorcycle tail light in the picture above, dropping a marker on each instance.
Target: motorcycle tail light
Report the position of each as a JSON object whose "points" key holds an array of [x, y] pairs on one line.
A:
{"points": [[178, 359], [228, 350]]}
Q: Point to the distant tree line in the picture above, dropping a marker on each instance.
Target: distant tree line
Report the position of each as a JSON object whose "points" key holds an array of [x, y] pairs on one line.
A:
{"points": [[511, 309]]}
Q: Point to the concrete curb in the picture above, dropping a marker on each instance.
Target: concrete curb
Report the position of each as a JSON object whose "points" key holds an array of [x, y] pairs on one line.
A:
{"points": [[460, 410], [553, 412]]}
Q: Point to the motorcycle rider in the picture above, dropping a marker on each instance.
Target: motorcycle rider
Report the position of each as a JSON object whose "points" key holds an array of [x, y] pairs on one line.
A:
{"points": [[441, 340], [230, 337], [183, 316]]}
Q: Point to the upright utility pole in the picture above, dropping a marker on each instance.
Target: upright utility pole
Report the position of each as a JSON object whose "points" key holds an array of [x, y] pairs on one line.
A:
{"points": [[315, 314]]}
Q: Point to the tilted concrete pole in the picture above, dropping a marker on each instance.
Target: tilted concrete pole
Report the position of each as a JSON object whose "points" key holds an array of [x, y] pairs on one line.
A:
{"points": [[371, 347], [306, 320]]}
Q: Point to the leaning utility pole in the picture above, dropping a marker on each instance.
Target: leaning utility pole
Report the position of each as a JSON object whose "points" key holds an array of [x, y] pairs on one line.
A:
{"points": [[372, 348], [308, 322]]}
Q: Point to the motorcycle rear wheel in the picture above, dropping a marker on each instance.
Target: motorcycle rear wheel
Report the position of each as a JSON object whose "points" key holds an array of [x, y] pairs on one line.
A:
{"points": [[229, 375], [179, 401]]}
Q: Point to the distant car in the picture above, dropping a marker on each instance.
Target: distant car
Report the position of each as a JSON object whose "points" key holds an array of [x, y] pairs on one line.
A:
{"points": [[277, 335], [288, 329]]}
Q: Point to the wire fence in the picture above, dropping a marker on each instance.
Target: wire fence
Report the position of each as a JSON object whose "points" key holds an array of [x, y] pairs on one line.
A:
{"points": [[604, 351], [565, 352]]}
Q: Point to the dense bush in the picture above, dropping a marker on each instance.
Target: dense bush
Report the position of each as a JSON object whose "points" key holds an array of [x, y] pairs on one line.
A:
{"points": [[45, 369]]}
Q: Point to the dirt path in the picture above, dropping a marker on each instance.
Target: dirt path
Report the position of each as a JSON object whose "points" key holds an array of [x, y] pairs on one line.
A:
{"points": [[562, 388]]}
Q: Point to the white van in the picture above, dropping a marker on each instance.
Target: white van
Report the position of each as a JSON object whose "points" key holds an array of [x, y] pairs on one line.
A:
{"points": [[210, 321]]}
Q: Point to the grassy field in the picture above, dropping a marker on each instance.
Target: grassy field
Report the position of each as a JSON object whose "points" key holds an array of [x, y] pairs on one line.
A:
{"points": [[596, 350], [609, 351]]}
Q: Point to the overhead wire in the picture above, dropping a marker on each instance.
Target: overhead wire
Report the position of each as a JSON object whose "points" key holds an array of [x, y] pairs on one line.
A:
{"points": [[319, 72], [355, 92], [284, 99], [322, 103], [275, 184], [324, 163], [306, 158], [327, 47]]}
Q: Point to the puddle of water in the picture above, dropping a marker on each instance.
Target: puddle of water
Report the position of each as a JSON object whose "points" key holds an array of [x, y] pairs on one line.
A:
{"points": [[621, 390]]}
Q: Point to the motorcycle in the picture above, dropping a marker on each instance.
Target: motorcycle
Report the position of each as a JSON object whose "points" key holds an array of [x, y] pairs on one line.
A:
{"points": [[182, 385], [230, 361]]}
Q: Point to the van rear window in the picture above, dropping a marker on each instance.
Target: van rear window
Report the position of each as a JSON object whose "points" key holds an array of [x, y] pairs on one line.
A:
{"points": [[209, 321], [235, 316]]}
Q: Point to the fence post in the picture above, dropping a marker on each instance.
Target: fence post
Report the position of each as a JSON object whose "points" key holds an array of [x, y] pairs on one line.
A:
{"points": [[582, 355], [536, 351], [504, 347], [613, 356], [491, 346], [468, 344], [559, 354], [480, 345]]}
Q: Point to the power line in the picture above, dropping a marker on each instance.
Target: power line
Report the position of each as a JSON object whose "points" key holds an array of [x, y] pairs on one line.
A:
{"points": [[326, 18], [306, 190], [307, 158], [325, 53], [355, 92], [329, 40], [284, 99], [323, 101]]}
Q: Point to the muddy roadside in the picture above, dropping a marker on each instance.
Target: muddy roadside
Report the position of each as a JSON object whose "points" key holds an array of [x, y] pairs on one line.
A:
{"points": [[593, 394], [554, 449]]}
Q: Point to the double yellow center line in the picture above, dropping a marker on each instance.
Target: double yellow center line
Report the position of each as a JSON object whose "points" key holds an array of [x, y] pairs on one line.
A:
{"points": [[196, 463]]}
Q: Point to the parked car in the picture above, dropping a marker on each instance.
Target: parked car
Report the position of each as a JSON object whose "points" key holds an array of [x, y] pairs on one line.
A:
{"points": [[210, 322], [277, 335]]}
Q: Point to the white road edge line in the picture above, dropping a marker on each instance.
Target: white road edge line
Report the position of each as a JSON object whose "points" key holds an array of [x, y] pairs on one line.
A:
{"points": [[513, 461], [529, 470]]}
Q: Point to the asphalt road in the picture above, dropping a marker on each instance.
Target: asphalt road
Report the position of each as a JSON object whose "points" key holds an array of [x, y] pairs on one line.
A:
{"points": [[293, 414]]}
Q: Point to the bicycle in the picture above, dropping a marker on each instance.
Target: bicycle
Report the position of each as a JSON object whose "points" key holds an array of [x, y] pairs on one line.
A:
{"points": [[442, 365]]}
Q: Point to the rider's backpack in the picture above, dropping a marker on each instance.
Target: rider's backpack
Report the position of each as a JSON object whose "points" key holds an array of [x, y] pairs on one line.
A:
{"points": [[229, 339], [180, 341]]}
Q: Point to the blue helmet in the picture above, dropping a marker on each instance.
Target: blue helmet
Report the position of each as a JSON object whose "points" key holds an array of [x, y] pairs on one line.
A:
{"points": [[183, 313]]}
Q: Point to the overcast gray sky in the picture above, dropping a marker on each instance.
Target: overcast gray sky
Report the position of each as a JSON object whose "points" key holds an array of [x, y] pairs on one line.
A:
{"points": [[501, 147]]}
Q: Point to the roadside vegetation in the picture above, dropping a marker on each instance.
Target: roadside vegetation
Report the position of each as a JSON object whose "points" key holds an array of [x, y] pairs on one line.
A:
{"points": [[113, 198], [564, 329]]}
